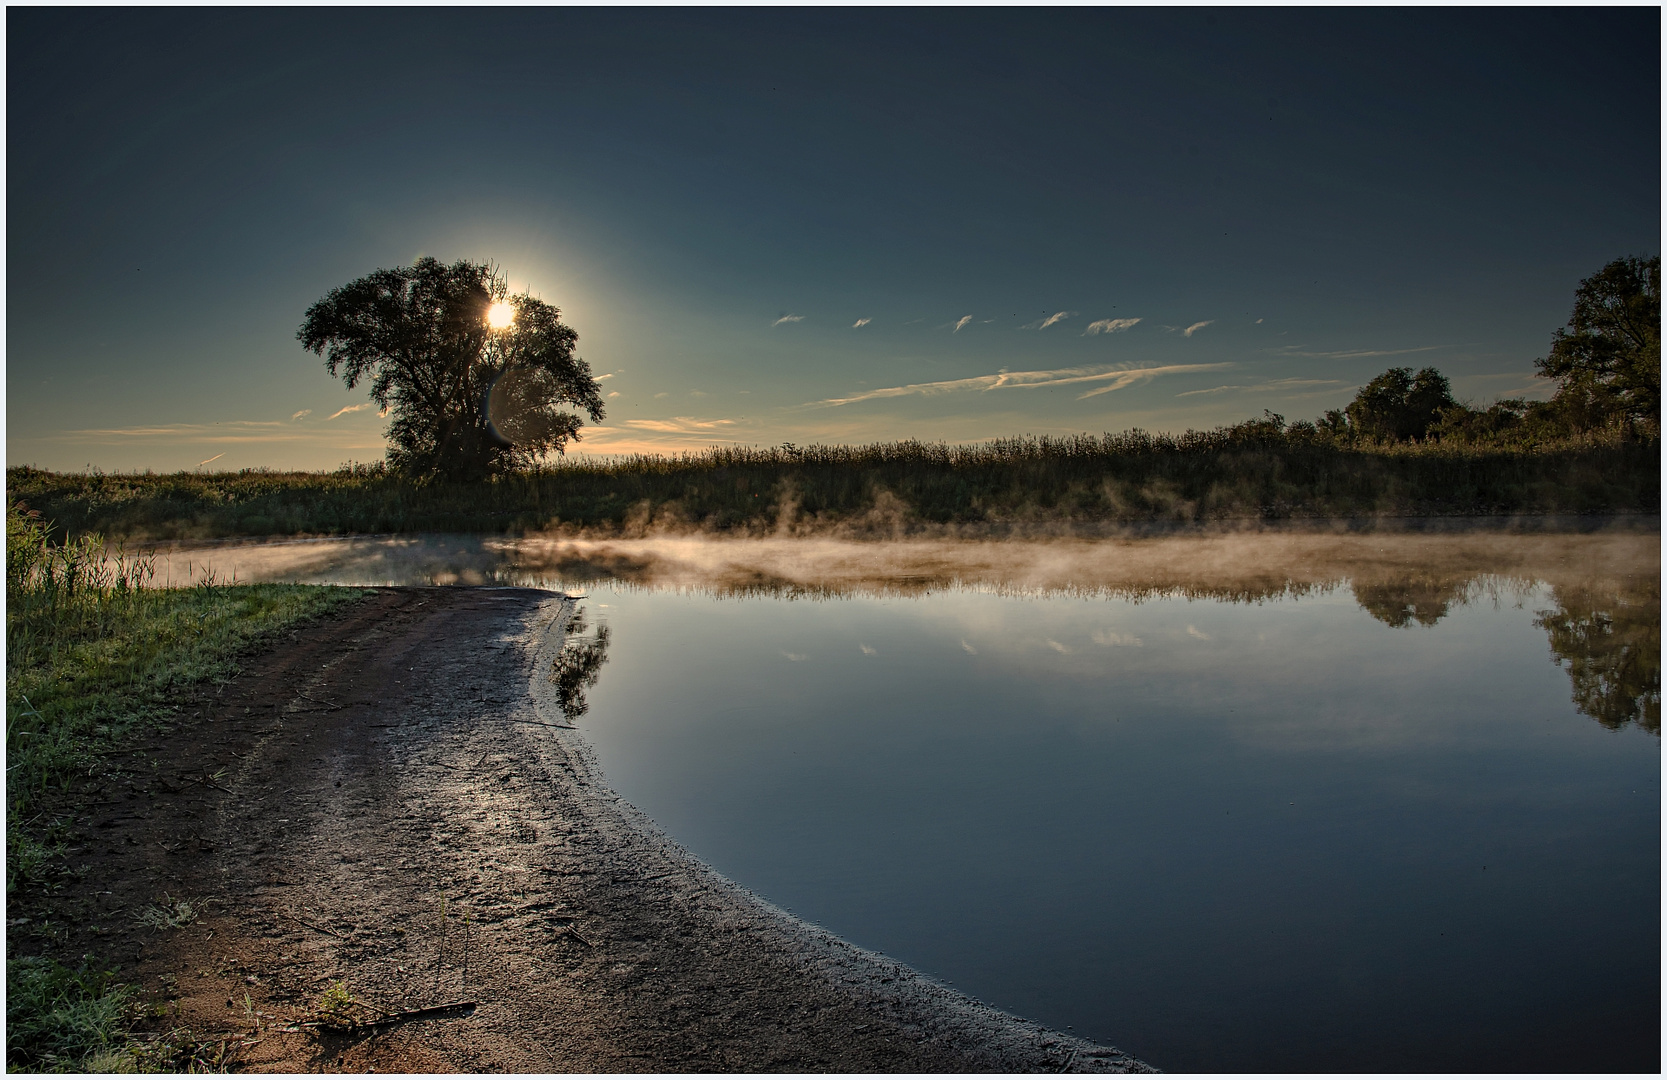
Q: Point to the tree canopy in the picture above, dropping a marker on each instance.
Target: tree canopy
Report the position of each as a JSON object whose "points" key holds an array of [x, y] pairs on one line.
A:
{"points": [[1399, 405], [1608, 358], [466, 399]]}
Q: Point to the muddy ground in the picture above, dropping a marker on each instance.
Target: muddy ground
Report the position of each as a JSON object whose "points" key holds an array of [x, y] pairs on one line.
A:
{"points": [[384, 802]]}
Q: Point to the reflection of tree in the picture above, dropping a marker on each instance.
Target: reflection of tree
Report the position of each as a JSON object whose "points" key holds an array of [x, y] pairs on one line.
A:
{"points": [[1609, 640], [579, 665], [1413, 598]]}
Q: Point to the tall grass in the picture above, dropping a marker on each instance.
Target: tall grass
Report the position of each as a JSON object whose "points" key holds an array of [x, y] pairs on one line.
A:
{"points": [[1260, 470], [91, 654]]}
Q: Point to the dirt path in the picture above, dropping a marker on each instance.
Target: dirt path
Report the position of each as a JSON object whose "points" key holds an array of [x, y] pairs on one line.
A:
{"points": [[384, 803]]}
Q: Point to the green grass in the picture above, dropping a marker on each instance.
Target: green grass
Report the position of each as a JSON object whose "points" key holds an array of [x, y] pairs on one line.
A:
{"points": [[63, 1019], [1260, 470], [93, 661]]}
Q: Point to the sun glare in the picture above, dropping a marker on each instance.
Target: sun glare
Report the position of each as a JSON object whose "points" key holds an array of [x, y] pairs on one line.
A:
{"points": [[500, 316]]}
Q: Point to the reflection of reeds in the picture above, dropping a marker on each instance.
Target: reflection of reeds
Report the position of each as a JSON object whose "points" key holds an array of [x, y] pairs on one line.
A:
{"points": [[1249, 472]]}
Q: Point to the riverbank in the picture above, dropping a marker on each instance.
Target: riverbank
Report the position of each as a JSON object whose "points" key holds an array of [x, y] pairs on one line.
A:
{"points": [[378, 818]]}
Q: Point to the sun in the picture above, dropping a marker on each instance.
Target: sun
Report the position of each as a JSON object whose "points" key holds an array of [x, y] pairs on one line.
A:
{"points": [[500, 316]]}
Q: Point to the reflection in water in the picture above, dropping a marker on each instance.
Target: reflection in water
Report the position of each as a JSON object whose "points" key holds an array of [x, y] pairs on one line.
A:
{"points": [[1605, 632], [1415, 598], [1609, 641], [579, 665]]}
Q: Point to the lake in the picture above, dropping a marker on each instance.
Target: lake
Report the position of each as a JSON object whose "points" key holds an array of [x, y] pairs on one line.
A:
{"points": [[1293, 802]]}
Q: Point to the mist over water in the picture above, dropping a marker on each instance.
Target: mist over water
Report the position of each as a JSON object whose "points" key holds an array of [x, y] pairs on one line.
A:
{"points": [[1276, 802]]}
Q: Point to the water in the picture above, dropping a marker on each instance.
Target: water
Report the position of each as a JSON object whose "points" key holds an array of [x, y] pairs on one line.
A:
{"points": [[1297, 804]]}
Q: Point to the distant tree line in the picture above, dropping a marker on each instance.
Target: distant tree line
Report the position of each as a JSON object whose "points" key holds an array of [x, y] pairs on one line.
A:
{"points": [[1606, 361]]}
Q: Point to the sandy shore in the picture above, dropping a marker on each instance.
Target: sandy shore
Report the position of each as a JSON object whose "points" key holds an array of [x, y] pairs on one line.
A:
{"points": [[390, 803]]}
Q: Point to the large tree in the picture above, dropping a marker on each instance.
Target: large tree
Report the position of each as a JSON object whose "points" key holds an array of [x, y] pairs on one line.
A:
{"points": [[467, 398], [1608, 358]]}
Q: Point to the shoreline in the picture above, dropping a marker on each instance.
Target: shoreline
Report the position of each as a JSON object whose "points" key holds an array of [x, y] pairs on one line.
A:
{"points": [[371, 851], [995, 1039]]}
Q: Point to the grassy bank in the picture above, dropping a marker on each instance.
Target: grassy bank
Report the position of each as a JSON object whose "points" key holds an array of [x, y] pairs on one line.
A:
{"points": [[93, 662], [1262, 470]]}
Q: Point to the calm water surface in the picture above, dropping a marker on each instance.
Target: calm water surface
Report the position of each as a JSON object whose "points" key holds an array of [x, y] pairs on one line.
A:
{"points": [[1347, 822]]}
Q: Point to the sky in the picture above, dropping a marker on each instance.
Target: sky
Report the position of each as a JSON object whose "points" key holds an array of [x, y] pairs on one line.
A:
{"points": [[777, 225]]}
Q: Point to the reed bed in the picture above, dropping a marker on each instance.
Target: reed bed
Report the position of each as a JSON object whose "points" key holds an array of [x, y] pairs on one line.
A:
{"points": [[1260, 470]]}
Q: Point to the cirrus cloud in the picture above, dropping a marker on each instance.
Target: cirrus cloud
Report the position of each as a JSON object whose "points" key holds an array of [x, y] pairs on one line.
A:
{"points": [[1114, 379]]}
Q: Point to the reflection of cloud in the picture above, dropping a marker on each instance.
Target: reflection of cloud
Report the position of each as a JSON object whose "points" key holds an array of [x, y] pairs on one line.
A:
{"points": [[1112, 637], [1196, 326], [1108, 326], [861, 322], [303, 412], [788, 318], [1114, 378], [964, 320], [1193, 631], [1272, 384], [680, 424], [352, 408]]}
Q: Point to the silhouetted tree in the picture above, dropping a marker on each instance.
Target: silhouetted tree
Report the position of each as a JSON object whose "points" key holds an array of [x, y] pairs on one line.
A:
{"points": [[467, 400], [1608, 357], [1399, 405]]}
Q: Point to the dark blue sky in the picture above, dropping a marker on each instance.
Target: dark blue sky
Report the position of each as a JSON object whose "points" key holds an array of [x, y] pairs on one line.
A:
{"points": [[1288, 202]]}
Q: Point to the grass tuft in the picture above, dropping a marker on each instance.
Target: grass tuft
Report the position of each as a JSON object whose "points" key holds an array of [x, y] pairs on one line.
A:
{"points": [[63, 1019]]}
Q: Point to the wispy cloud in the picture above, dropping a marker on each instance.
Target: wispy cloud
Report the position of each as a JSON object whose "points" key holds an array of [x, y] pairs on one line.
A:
{"points": [[1050, 320], [860, 323], [352, 408], [682, 425], [1108, 326], [300, 414], [788, 318], [964, 320], [1114, 378], [225, 431], [1357, 354], [216, 457], [1189, 331], [1276, 385]]}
